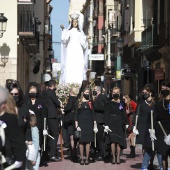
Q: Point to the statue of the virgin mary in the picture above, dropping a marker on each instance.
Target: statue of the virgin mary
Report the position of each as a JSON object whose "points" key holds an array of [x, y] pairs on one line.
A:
{"points": [[74, 49]]}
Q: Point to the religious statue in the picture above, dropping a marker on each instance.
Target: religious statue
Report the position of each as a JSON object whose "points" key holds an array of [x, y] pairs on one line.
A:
{"points": [[74, 48]]}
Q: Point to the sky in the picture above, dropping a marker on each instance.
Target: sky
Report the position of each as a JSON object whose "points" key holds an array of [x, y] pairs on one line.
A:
{"points": [[59, 16]]}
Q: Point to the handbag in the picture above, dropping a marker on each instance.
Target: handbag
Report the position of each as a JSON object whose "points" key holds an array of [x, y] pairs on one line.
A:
{"points": [[77, 134]]}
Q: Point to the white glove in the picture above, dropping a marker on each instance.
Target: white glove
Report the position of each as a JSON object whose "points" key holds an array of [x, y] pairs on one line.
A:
{"points": [[106, 129], [17, 164], [167, 139], [30, 153], [135, 131], [45, 132], [78, 128], [62, 111], [152, 134], [95, 129], [31, 112], [127, 126]]}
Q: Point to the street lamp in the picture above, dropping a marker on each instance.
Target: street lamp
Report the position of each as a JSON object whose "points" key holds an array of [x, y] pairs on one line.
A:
{"points": [[120, 44], [51, 52], [38, 24], [3, 22]]}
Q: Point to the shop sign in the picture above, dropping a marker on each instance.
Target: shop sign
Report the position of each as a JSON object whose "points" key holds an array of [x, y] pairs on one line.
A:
{"points": [[159, 74], [96, 57], [128, 72]]}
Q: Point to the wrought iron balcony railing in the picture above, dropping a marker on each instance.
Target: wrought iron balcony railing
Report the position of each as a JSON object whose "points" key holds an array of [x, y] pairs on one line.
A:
{"points": [[150, 37], [28, 30]]}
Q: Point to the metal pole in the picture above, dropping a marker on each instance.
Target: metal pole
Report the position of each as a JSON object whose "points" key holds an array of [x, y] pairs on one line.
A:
{"points": [[147, 74], [108, 50], [153, 148], [91, 30]]}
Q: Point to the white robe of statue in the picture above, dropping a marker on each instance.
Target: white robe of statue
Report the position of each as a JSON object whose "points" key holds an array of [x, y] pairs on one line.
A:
{"points": [[73, 56]]}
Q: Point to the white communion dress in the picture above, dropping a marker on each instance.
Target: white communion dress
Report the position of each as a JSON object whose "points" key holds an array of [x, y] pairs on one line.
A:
{"points": [[73, 58]]}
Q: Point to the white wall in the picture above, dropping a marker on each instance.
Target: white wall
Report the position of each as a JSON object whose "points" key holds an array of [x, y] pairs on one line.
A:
{"points": [[9, 8]]}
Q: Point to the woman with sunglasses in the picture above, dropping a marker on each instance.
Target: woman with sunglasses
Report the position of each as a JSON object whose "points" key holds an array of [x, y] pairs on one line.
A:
{"points": [[130, 110]]}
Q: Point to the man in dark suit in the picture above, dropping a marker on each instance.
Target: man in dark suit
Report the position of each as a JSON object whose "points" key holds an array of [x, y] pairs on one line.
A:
{"points": [[52, 103], [99, 105]]}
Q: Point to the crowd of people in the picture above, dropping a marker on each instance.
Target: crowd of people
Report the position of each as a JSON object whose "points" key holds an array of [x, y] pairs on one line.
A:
{"points": [[95, 127]]}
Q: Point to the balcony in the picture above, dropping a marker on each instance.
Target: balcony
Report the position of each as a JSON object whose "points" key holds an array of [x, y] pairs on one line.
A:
{"points": [[28, 31], [26, 1], [95, 13], [149, 44], [134, 38], [149, 38], [127, 3]]}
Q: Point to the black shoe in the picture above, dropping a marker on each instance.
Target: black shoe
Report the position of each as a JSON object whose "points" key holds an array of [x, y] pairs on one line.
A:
{"points": [[113, 161], [55, 159], [150, 167], [82, 162], [43, 164], [132, 152], [87, 162], [118, 160], [131, 156], [99, 158], [65, 145]]}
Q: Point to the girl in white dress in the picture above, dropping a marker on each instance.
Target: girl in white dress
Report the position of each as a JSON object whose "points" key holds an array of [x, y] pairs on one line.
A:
{"points": [[73, 55]]}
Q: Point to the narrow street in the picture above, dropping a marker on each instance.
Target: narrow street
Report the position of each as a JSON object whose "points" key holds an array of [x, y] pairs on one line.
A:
{"points": [[126, 164]]}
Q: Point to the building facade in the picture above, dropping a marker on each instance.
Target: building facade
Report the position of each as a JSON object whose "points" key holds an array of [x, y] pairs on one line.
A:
{"points": [[28, 37], [146, 43], [133, 36]]}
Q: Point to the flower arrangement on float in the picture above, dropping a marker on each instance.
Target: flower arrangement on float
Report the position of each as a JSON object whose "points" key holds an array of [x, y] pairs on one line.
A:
{"points": [[62, 91]]}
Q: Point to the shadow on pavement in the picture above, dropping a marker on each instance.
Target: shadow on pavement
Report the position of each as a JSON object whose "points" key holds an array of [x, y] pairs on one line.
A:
{"points": [[136, 166]]}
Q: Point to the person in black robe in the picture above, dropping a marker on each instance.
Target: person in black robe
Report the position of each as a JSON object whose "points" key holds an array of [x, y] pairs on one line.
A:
{"points": [[15, 90], [23, 112], [162, 109], [14, 149], [143, 111], [115, 121], [99, 104], [52, 103], [85, 122], [68, 120], [36, 104]]}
